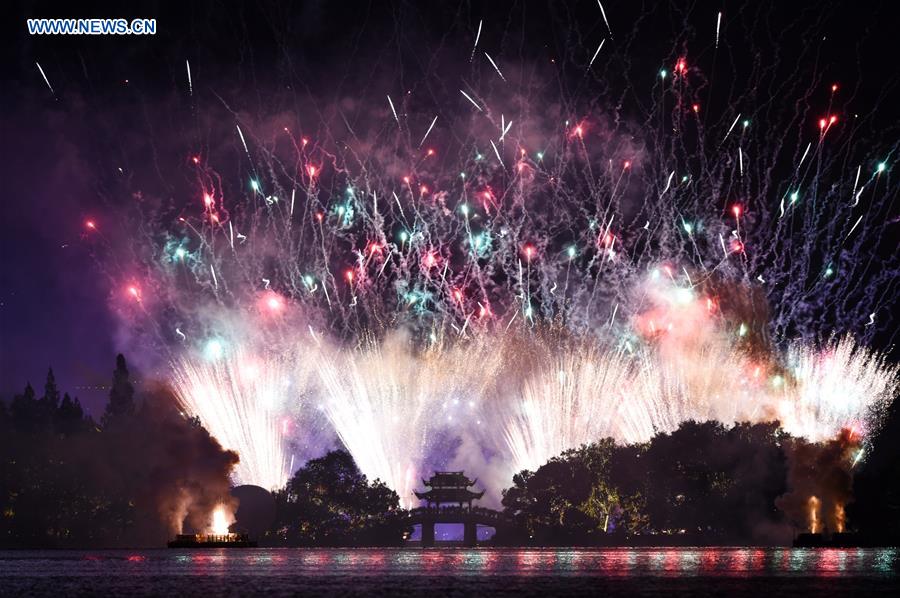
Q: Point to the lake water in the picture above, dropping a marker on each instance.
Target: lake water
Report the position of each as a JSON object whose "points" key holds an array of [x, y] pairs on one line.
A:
{"points": [[288, 571]]}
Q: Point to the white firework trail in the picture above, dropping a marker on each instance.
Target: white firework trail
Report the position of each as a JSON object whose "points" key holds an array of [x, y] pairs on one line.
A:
{"points": [[473, 102], [718, 25], [393, 110], [431, 126], [477, 37], [594, 57], [605, 20], [243, 141], [46, 80], [494, 64]]}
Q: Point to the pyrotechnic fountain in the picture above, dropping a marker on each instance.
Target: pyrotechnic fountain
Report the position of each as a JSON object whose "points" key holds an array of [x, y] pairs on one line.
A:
{"points": [[402, 261], [242, 396], [220, 523], [814, 525], [380, 409], [571, 400]]}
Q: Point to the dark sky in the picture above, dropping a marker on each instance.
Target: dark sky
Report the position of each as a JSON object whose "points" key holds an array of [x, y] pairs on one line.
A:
{"points": [[59, 153]]}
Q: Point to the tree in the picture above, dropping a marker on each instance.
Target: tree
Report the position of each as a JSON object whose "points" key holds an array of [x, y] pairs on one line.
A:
{"points": [[51, 393], [121, 395], [69, 416], [329, 502], [546, 503], [26, 411], [601, 505], [707, 479]]}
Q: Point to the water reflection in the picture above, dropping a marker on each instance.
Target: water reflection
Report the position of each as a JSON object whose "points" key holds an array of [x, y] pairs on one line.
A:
{"points": [[607, 563], [797, 559], [886, 560]]}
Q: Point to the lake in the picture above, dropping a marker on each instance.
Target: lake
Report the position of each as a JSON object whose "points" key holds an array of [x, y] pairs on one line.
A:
{"points": [[286, 571]]}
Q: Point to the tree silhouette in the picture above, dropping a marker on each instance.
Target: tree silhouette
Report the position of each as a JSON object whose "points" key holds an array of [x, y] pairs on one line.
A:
{"points": [[121, 395], [26, 411], [702, 481], [69, 416], [64, 482], [51, 392], [329, 502]]}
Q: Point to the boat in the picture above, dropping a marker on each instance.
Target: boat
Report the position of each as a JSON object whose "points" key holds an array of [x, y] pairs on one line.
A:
{"points": [[230, 540], [845, 540]]}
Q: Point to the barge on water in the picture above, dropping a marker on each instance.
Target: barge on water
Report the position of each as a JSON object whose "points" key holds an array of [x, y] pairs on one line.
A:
{"points": [[845, 540], [230, 540]]}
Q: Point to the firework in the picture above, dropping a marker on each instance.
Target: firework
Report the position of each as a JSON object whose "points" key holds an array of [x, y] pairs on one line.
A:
{"points": [[244, 397], [387, 404], [570, 400], [684, 259]]}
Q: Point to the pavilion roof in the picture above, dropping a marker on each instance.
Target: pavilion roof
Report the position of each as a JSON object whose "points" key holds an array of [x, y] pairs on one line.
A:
{"points": [[449, 495], [449, 479]]}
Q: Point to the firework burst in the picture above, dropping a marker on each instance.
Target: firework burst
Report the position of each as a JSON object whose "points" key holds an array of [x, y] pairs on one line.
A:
{"points": [[687, 256]]}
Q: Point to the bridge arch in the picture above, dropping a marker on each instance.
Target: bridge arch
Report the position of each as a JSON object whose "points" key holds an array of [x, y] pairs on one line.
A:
{"points": [[469, 517]]}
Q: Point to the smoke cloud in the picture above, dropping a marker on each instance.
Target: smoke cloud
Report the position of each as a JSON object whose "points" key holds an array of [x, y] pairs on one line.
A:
{"points": [[172, 470], [820, 482]]}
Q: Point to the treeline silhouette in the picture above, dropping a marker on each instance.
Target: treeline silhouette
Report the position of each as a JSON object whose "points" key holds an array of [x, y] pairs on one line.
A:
{"points": [[706, 483], [702, 482], [145, 468], [129, 480]]}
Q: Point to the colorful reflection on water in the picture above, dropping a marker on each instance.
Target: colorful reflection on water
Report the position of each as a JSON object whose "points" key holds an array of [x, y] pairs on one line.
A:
{"points": [[610, 563]]}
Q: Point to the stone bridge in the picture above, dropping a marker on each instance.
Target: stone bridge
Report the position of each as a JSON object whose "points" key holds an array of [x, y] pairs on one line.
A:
{"points": [[470, 517]]}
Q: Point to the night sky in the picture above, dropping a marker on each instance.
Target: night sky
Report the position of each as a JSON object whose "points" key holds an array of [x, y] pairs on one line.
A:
{"points": [[118, 98]]}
